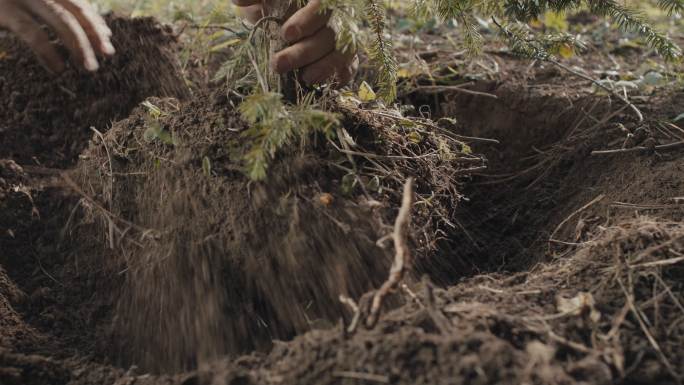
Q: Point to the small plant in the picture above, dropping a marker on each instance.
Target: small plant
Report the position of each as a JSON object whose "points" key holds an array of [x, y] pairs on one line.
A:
{"points": [[154, 130], [361, 25], [273, 125]]}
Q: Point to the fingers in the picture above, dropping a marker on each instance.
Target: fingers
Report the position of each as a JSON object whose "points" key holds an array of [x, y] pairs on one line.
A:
{"points": [[68, 29], [305, 22], [305, 52], [28, 30], [92, 23], [313, 44], [336, 66]]}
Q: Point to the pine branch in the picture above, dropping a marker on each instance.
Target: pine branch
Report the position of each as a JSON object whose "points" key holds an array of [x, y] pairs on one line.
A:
{"points": [[273, 125], [533, 49], [631, 20], [672, 6], [381, 51]]}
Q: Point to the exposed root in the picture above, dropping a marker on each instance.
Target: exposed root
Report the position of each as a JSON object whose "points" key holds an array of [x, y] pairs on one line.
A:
{"points": [[402, 261], [552, 238], [402, 256], [355, 310]]}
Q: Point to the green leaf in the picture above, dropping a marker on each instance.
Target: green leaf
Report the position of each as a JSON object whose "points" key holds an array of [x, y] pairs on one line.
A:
{"points": [[654, 78], [366, 93], [182, 15], [153, 110], [415, 137], [348, 184], [154, 131], [225, 44], [566, 51]]}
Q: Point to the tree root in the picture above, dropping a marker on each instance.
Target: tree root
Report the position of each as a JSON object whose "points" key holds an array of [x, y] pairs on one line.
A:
{"points": [[402, 260]]}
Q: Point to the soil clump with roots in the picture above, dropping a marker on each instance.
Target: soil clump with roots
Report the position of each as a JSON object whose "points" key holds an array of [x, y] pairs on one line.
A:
{"points": [[216, 264]]}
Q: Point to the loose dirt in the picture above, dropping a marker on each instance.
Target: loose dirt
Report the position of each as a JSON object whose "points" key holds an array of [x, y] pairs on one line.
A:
{"points": [[561, 267], [47, 121], [216, 264], [50, 305]]}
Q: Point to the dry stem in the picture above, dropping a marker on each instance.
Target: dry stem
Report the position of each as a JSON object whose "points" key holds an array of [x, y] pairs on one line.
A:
{"points": [[402, 256], [661, 147]]}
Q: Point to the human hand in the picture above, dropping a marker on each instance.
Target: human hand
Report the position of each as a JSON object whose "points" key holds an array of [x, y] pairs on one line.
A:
{"points": [[84, 33], [312, 44]]}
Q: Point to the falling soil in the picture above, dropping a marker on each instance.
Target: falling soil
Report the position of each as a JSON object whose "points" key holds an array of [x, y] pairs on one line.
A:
{"points": [[46, 122], [216, 264], [156, 256]]}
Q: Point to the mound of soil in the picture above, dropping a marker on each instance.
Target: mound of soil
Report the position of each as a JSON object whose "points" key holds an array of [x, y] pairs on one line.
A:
{"points": [[598, 299], [47, 305], [579, 320], [47, 120]]}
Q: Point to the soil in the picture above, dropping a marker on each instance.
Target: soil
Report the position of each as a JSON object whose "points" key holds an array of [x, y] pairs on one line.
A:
{"points": [[48, 120], [249, 262], [142, 265]]}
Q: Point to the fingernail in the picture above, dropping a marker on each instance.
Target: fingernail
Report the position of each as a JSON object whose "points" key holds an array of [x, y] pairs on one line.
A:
{"points": [[91, 65], [108, 48], [292, 33]]}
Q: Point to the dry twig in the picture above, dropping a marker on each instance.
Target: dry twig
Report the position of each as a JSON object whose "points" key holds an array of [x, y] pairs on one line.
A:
{"points": [[661, 147], [629, 296], [616, 94], [355, 309], [439, 89], [566, 220], [402, 256]]}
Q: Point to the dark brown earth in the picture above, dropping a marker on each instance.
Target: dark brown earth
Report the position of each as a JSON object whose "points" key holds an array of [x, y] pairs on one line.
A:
{"points": [[541, 283], [48, 121], [248, 262]]}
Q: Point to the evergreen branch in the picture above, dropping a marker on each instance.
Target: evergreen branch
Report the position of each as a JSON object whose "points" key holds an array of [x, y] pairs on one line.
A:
{"points": [[534, 50], [672, 6], [630, 20], [273, 125], [381, 51]]}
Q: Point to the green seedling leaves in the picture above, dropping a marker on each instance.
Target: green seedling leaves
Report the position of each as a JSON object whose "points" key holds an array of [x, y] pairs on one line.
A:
{"points": [[155, 131]]}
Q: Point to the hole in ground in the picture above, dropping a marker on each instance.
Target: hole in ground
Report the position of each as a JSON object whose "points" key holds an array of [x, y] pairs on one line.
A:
{"points": [[540, 171]]}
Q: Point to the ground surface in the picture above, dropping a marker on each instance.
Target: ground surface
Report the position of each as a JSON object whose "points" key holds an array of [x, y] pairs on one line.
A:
{"points": [[562, 266]]}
